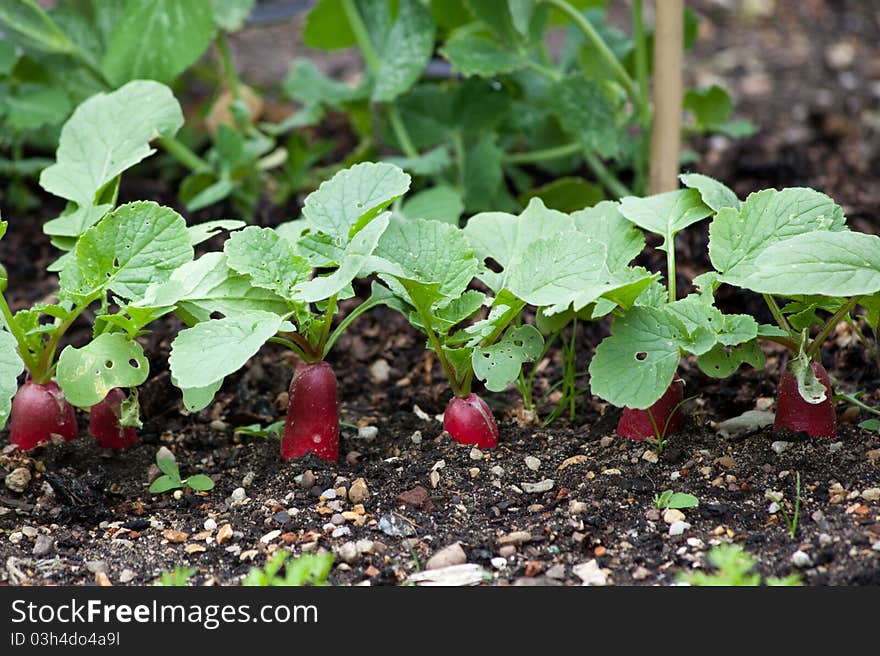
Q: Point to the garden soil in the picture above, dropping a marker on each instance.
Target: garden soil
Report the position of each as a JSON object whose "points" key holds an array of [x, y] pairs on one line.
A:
{"points": [[566, 504]]}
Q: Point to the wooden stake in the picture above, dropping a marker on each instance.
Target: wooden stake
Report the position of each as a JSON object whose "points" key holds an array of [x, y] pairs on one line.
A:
{"points": [[667, 95]]}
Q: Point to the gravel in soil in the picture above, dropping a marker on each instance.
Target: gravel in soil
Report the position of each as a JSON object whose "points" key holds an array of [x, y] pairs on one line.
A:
{"points": [[571, 504]]}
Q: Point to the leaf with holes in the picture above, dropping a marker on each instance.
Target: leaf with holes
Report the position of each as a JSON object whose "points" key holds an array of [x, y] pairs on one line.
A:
{"points": [[499, 365], [136, 245], [111, 360]]}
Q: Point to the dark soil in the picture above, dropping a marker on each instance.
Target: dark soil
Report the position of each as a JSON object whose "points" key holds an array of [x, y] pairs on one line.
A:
{"points": [[86, 517]]}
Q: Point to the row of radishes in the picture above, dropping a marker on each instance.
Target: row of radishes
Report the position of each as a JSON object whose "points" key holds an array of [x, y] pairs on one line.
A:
{"points": [[135, 263]]}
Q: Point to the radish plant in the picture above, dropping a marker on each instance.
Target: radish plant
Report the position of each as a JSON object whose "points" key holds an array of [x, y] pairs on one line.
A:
{"points": [[546, 261], [285, 286], [793, 247], [635, 367], [112, 256]]}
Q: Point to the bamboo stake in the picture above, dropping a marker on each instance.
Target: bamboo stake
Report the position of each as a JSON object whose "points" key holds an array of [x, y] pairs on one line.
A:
{"points": [[667, 95]]}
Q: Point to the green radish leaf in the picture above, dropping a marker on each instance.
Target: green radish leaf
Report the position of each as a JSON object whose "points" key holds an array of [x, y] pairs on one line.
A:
{"points": [[208, 352], [11, 367], [521, 14], [566, 194], [665, 214], [840, 263], [502, 236], [406, 53], [473, 53], [74, 221], [268, 259], [25, 22], [681, 500], [327, 28], [27, 107], [496, 15], [430, 163], [352, 262], [198, 398], [106, 135], [739, 238], [178, 33], [606, 224], [230, 15], [204, 231], [138, 244], [499, 364], [435, 258], [207, 285], [110, 360], [168, 466], [586, 114], [721, 361], [635, 365], [306, 84], [714, 194], [200, 483], [440, 203], [165, 483], [350, 199], [710, 106], [483, 173], [870, 424]]}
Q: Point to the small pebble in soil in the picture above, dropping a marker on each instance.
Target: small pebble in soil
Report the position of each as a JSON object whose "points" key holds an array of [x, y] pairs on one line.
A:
{"points": [[876, 546], [43, 546], [308, 480], [678, 528], [95, 566], [476, 454], [497, 470], [416, 437], [577, 507], [652, 515], [507, 551], [270, 536], [395, 527], [210, 524], [380, 371], [514, 538], [672, 515], [127, 576], [825, 540], [218, 425], [474, 472], [434, 479], [780, 447], [533, 463], [556, 572], [834, 447], [590, 573], [696, 543], [224, 534], [328, 495], [16, 537], [640, 573], [801, 559], [650, 456], [18, 479], [238, 495], [358, 492], [500, 563], [367, 433], [871, 494], [342, 531], [282, 517], [449, 555], [542, 486], [348, 553], [29, 532]]}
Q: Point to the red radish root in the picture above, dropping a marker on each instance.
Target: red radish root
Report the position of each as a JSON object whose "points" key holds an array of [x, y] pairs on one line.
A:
{"points": [[312, 414], [637, 424], [796, 414], [38, 412], [104, 422], [469, 421]]}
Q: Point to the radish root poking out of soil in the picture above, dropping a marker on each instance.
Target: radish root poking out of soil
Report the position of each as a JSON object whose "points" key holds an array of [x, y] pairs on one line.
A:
{"points": [[666, 413], [312, 414], [795, 413], [105, 422], [38, 413], [470, 421]]}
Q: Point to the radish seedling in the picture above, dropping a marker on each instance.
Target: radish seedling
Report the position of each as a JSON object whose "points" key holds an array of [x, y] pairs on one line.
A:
{"points": [[635, 367], [794, 245], [171, 480], [265, 286], [112, 257], [429, 266]]}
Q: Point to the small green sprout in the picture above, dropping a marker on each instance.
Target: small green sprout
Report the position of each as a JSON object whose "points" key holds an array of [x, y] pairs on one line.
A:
{"points": [[734, 567], [171, 480], [308, 569], [670, 499]]}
